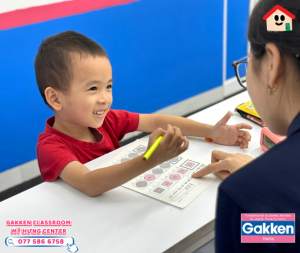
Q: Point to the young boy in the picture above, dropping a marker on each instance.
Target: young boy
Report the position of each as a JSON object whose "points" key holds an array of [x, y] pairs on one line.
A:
{"points": [[74, 77]]}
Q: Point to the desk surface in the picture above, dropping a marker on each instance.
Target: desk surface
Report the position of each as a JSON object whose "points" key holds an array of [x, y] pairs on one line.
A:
{"points": [[123, 220]]}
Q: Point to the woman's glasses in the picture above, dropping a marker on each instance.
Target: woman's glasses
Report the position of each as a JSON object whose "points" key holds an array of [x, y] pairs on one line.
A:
{"points": [[240, 67]]}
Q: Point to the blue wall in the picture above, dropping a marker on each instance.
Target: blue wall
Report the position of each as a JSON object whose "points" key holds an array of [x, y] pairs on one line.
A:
{"points": [[161, 52], [237, 24]]}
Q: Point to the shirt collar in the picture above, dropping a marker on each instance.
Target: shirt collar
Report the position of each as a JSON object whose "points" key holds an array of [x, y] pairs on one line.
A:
{"points": [[295, 125], [49, 124]]}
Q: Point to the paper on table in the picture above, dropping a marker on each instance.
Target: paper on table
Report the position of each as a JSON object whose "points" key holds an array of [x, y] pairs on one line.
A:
{"points": [[171, 181]]}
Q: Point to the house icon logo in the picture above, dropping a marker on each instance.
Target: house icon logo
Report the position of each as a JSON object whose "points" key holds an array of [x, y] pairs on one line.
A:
{"points": [[279, 19]]}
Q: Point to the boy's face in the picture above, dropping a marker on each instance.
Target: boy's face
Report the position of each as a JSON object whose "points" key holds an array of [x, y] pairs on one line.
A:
{"points": [[90, 95]]}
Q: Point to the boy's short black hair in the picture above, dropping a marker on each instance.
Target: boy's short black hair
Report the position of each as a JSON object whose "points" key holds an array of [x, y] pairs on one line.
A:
{"points": [[53, 62]]}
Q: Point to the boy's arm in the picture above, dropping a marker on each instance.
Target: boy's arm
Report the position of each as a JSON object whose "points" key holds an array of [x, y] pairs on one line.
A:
{"points": [[221, 133], [95, 182], [149, 122], [101, 180]]}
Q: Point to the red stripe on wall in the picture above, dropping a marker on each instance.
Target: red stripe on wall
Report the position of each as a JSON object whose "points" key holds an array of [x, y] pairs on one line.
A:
{"points": [[57, 10]]}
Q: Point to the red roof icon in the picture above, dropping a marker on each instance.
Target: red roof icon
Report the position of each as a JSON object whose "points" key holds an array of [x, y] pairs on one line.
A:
{"points": [[278, 7]]}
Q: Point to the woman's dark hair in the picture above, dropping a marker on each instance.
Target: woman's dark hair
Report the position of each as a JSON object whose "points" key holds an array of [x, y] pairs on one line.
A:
{"points": [[53, 62], [287, 42]]}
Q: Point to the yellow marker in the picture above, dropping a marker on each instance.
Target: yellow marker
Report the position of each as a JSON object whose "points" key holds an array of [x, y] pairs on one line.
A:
{"points": [[152, 148]]}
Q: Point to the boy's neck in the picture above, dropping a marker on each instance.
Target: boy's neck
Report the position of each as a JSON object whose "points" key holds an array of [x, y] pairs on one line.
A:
{"points": [[74, 131]]}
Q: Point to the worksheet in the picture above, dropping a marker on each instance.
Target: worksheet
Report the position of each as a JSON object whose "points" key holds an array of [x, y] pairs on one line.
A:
{"points": [[171, 181]]}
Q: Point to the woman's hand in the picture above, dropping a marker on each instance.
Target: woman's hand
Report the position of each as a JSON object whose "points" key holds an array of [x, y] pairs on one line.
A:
{"points": [[223, 164], [231, 134]]}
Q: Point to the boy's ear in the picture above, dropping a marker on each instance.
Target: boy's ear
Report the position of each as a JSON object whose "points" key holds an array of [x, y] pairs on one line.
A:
{"points": [[52, 98]]}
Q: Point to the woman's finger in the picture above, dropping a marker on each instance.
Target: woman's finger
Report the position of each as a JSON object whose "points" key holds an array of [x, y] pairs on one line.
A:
{"points": [[212, 168], [217, 155], [216, 165], [222, 174]]}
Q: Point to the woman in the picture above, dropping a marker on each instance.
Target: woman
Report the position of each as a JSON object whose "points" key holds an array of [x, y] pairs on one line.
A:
{"points": [[270, 183]]}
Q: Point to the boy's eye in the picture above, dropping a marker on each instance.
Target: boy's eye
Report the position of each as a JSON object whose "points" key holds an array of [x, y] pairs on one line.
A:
{"points": [[93, 88], [109, 86]]}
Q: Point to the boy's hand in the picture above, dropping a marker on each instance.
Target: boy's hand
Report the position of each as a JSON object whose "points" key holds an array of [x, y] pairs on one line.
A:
{"points": [[170, 146], [231, 134]]}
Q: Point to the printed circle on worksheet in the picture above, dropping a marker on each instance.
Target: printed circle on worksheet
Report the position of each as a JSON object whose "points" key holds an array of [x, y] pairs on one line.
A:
{"points": [[124, 160], [174, 177], [159, 190], [173, 160], [133, 155], [165, 165], [167, 183], [157, 171], [182, 171], [141, 149], [149, 177], [141, 184]]}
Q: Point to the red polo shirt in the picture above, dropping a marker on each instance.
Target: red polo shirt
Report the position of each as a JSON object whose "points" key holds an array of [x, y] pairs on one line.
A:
{"points": [[55, 149]]}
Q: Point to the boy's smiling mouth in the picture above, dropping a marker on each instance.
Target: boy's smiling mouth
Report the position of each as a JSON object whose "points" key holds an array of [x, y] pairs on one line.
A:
{"points": [[99, 114]]}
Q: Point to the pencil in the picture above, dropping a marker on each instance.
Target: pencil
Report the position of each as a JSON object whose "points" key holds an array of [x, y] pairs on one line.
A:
{"points": [[152, 148]]}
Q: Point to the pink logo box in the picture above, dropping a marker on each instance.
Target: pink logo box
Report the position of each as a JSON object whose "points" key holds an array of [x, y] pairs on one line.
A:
{"points": [[275, 220]]}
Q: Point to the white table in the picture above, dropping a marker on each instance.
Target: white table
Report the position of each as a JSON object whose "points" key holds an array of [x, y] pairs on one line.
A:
{"points": [[125, 221]]}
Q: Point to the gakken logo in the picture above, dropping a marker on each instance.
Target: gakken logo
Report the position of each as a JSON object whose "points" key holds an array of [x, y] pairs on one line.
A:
{"points": [[266, 229]]}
